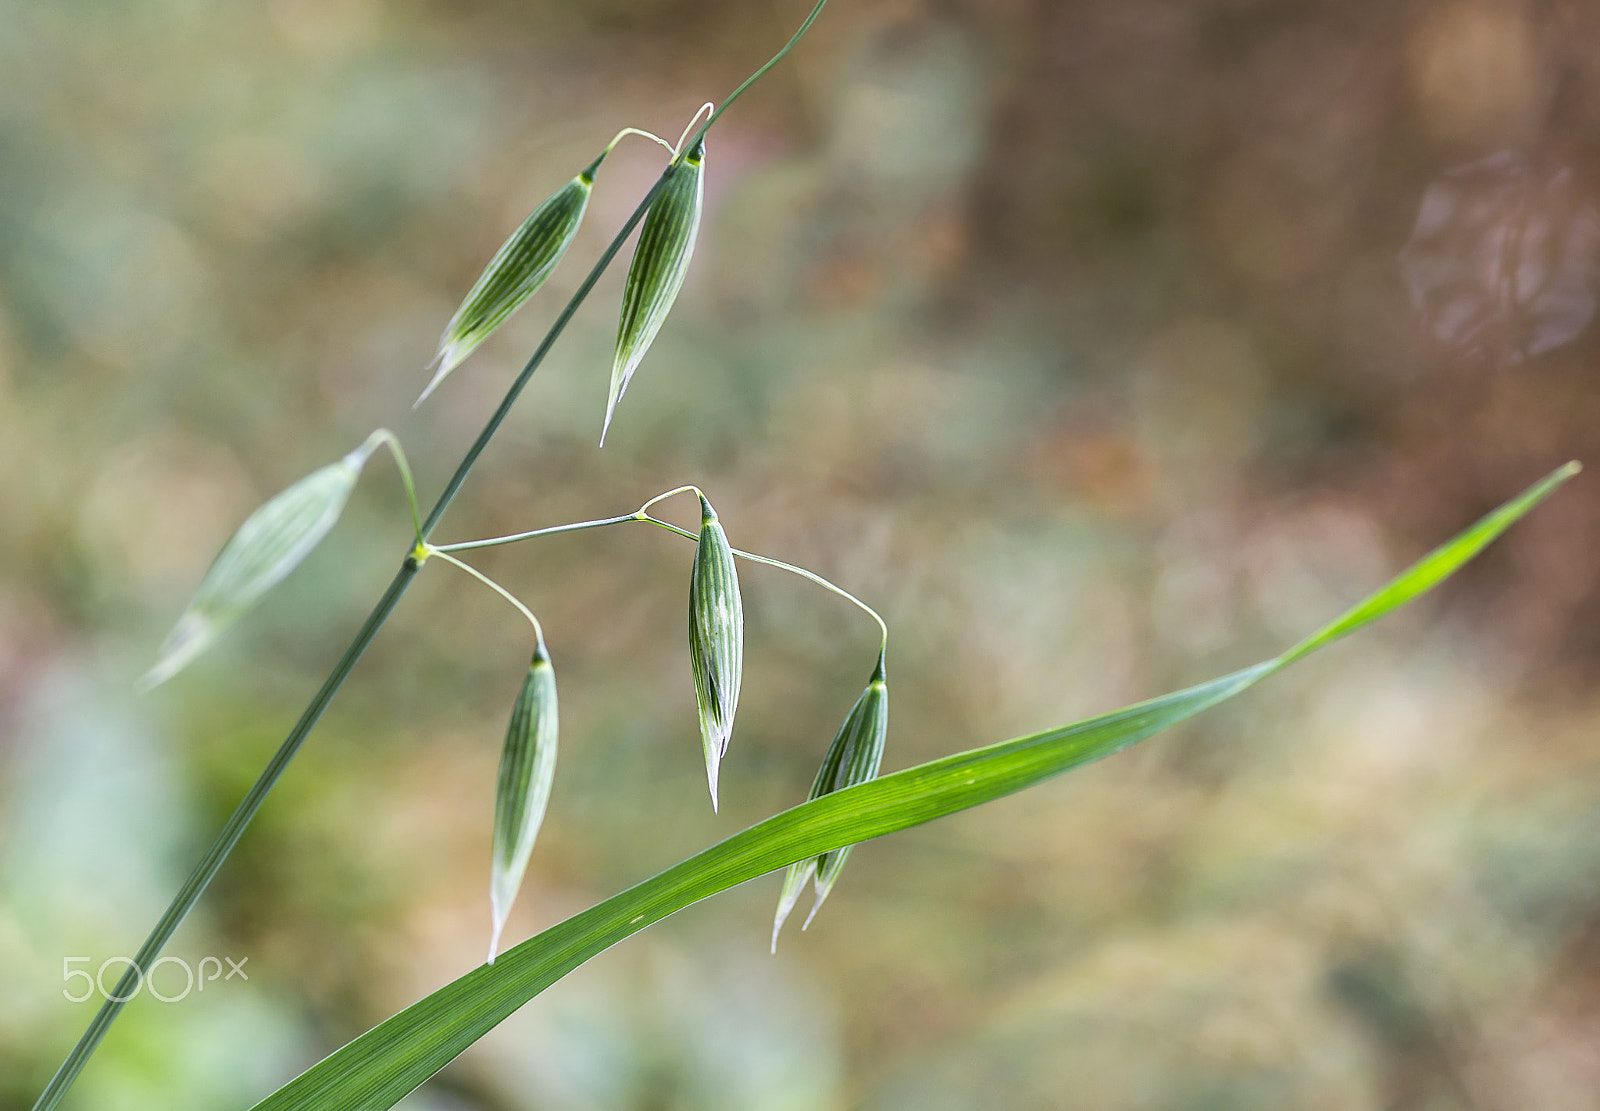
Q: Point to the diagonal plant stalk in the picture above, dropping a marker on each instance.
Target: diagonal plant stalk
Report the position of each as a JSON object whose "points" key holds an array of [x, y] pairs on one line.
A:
{"points": [[378, 1069], [200, 877]]}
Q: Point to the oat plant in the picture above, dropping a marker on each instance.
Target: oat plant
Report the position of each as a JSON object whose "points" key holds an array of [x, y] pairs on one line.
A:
{"points": [[849, 802]]}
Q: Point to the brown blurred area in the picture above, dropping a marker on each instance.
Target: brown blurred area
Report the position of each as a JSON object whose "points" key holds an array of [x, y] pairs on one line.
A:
{"points": [[1102, 346]]}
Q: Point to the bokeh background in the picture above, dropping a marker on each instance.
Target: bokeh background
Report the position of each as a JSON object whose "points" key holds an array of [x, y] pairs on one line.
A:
{"points": [[1103, 345]]}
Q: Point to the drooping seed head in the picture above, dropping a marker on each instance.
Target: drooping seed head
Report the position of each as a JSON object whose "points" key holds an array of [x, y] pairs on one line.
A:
{"points": [[666, 243], [271, 543], [854, 757], [716, 639], [527, 769], [518, 268]]}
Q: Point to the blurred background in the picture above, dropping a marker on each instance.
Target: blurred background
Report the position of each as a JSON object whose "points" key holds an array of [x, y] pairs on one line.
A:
{"points": [[1102, 345]]}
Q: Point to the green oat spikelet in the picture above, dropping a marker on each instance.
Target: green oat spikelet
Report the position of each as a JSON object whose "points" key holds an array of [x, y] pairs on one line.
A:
{"points": [[518, 269], [716, 639], [666, 243], [271, 543], [527, 769], [854, 757]]}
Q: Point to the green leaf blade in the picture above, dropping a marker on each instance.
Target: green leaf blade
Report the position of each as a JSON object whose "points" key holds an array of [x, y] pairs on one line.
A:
{"points": [[379, 1068], [1437, 565]]}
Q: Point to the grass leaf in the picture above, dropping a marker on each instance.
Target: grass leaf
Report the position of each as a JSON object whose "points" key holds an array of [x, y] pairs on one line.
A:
{"points": [[379, 1068]]}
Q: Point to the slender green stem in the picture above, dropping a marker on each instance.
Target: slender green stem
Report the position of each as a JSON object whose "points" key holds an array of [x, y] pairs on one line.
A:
{"points": [[207, 868], [235, 826], [198, 880], [218, 852], [643, 514], [203, 872], [496, 541], [392, 442], [708, 106], [639, 514], [538, 629], [652, 136], [778, 563], [757, 75], [644, 510]]}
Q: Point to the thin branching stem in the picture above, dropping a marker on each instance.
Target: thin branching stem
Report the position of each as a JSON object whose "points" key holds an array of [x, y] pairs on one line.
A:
{"points": [[392, 442], [642, 514], [538, 629], [708, 106], [778, 563], [758, 74], [495, 541], [644, 510], [652, 136]]}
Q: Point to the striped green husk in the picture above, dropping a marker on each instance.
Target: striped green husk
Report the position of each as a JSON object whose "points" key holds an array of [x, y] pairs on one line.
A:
{"points": [[527, 769], [518, 268], [271, 543], [854, 757], [666, 243], [716, 639]]}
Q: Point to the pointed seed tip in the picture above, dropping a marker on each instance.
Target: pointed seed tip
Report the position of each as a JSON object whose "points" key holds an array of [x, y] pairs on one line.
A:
{"points": [[777, 922], [713, 774], [495, 932], [428, 390], [165, 668]]}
